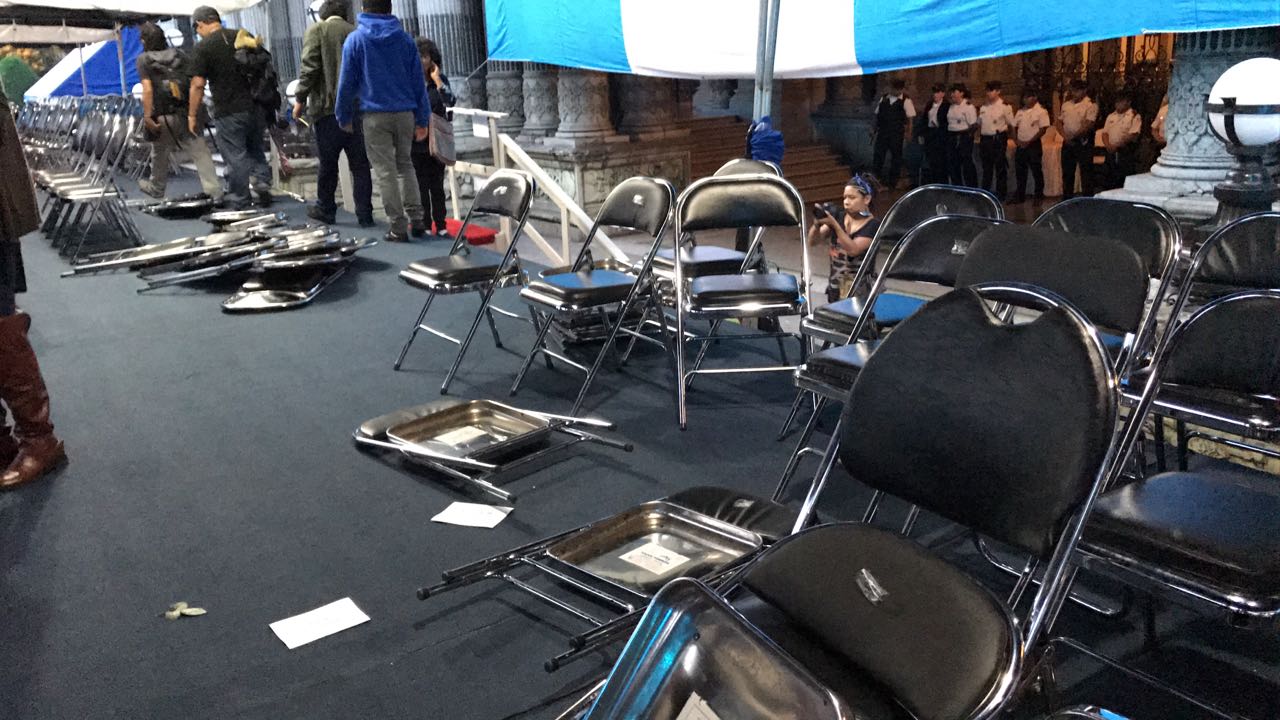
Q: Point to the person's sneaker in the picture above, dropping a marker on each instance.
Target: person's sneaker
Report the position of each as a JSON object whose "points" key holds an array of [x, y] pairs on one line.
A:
{"points": [[150, 190], [315, 213], [262, 199], [417, 230], [443, 234], [365, 222], [393, 236]]}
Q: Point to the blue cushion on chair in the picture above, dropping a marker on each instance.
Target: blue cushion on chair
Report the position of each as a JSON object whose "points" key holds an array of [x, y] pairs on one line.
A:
{"points": [[891, 308]]}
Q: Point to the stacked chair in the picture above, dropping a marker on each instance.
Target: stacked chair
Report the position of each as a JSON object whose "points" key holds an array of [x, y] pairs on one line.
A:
{"points": [[466, 269]]}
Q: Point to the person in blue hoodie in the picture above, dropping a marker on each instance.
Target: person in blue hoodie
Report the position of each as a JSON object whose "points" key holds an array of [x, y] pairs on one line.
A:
{"points": [[381, 70]]}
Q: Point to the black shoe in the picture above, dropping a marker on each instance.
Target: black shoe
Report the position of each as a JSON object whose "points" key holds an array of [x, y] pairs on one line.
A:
{"points": [[393, 236], [365, 222], [262, 199], [315, 213], [417, 230], [443, 234]]}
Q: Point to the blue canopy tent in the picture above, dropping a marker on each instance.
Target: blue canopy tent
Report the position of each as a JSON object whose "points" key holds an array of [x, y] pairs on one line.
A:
{"points": [[101, 69]]}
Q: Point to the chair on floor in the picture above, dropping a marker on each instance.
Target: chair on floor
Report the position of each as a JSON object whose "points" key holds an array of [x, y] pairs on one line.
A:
{"points": [[588, 286], [1017, 451], [727, 203], [467, 269]]}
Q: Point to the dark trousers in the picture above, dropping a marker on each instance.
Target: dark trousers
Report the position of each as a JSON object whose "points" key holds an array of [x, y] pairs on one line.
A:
{"points": [[935, 158], [1077, 153], [1028, 159], [992, 150], [960, 167], [888, 141], [1121, 164], [331, 142], [430, 172], [8, 302], [11, 279], [240, 140]]}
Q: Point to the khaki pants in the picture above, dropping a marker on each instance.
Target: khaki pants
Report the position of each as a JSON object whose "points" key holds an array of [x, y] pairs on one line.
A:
{"points": [[174, 137], [388, 141]]}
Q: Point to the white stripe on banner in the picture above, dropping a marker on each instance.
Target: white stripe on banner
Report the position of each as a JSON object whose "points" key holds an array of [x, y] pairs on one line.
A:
{"points": [[717, 38]]}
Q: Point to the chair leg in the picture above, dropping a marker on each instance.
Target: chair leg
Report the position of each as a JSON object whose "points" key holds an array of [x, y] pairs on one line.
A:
{"points": [[533, 318], [681, 390], [702, 351], [810, 506], [416, 327], [605, 349], [782, 350], [493, 326], [1161, 463], [1182, 446], [471, 333], [791, 415], [794, 461], [538, 344]]}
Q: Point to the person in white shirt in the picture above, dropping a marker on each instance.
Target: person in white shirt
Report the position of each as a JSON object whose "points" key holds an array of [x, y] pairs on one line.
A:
{"points": [[1029, 126], [893, 124], [1120, 139], [962, 118], [994, 119], [1079, 120]]}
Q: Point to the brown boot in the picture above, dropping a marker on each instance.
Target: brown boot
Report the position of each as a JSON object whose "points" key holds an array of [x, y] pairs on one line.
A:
{"points": [[8, 443], [23, 391]]}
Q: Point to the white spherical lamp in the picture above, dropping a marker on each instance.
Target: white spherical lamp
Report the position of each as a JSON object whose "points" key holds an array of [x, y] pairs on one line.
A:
{"points": [[291, 91], [1244, 113], [136, 90]]}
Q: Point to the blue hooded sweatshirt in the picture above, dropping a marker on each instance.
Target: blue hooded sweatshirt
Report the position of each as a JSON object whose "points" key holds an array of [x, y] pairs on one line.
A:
{"points": [[381, 68]]}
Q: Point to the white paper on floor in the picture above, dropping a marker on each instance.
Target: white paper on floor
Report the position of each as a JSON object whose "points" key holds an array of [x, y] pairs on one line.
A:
{"points": [[472, 515], [321, 622]]}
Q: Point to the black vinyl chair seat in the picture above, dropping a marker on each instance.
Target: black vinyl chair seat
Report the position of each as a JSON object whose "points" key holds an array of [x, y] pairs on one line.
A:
{"points": [[764, 288], [839, 366], [456, 269], [1251, 416], [1219, 528], [770, 520], [862, 608], [701, 260], [586, 287]]}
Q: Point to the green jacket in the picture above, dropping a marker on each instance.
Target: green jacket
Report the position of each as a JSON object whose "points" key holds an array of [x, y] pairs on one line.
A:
{"points": [[321, 62]]}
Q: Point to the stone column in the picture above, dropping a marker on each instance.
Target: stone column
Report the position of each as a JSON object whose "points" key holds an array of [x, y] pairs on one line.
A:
{"points": [[1193, 161], [541, 107], [744, 98], [505, 91], [712, 97], [844, 119], [583, 97], [648, 104]]}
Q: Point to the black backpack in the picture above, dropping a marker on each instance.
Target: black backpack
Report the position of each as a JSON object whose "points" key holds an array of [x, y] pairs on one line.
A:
{"points": [[170, 85], [259, 71]]}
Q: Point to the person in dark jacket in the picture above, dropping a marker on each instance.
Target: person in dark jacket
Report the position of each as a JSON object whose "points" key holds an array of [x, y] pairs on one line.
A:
{"points": [[429, 170], [931, 132], [894, 115], [28, 449], [317, 89], [382, 70]]}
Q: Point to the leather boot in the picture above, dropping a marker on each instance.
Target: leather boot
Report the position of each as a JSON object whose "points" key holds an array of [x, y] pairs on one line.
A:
{"points": [[8, 443], [23, 391]]}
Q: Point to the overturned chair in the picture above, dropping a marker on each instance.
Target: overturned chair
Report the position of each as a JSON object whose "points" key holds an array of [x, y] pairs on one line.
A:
{"points": [[890, 628], [610, 288], [507, 194]]}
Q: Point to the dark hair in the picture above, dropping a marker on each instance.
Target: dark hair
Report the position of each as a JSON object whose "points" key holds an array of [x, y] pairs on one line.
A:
{"points": [[898, 83], [865, 183], [961, 87], [1030, 92], [152, 37], [1124, 95], [1079, 84], [330, 8], [995, 85], [427, 48], [378, 7], [206, 14], [939, 87]]}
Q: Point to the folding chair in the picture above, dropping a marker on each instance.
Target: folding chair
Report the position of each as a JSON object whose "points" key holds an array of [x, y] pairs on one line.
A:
{"points": [[588, 286], [507, 194], [730, 202], [1018, 451]]}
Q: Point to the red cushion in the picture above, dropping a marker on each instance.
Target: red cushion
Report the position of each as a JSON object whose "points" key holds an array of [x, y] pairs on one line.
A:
{"points": [[476, 235]]}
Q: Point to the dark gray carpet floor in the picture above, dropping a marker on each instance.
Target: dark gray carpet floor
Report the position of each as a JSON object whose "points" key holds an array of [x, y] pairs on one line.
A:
{"points": [[211, 462]]}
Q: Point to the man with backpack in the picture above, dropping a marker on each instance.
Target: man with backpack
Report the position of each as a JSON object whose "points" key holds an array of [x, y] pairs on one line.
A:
{"points": [[166, 81], [381, 70], [239, 73]]}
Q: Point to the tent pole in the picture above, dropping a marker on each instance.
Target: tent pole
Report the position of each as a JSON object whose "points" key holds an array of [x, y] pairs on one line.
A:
{"points": [[84, 83], [120, 59], [766, 52]]}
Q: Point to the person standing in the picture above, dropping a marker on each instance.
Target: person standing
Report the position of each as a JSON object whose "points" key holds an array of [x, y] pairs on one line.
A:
{"points": [[1076, 125], [995, 117], [429, 170], [381, 69], [239, 122], [165, 75], [29, 449], [931, 132], [1029, 126], [962, 118], [317, 88], [1120, 140], [893, 120], [848, 232]]}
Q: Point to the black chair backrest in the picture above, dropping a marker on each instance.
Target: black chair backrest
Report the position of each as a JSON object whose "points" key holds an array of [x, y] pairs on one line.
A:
{"points": [[507, 193], [1244, 254], [1000, 428], [639, 203], [1232, 343], [934, 250], [928, 201], [1150, 231], [1103, 278], [744, 166], [739, 201]]}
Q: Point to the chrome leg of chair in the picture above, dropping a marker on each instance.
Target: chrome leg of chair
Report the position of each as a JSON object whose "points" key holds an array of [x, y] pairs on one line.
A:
{"points": [[791, 415], [493, 326], [681, 390], [533, 317], [794, 461], [609, 341], [538, 345], [706, 345], [485, 297], [810, 506], [416, 327], [782, 350]]}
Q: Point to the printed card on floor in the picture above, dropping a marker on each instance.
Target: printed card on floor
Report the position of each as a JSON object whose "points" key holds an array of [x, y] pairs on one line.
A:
{"points": [[652, 557], [322, 622], [472, 515], [697, 709]]}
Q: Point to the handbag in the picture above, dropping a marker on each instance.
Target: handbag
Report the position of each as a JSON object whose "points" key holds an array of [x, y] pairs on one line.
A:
{"points": [[440, 139]]}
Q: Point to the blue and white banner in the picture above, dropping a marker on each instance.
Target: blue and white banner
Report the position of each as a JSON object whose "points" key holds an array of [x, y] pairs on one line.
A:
{"points": [[823, 38], [101, 69]]}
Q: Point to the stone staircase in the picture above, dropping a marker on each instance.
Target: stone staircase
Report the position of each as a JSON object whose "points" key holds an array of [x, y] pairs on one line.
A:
{"points": [[816, 171]]}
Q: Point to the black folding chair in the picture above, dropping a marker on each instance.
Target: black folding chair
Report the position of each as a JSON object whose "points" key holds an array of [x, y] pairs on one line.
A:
{"points": [[589, 286], [507, 194]]}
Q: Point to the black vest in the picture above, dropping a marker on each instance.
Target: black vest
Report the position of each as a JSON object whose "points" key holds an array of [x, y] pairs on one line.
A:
{"points": [[891, 116]]}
